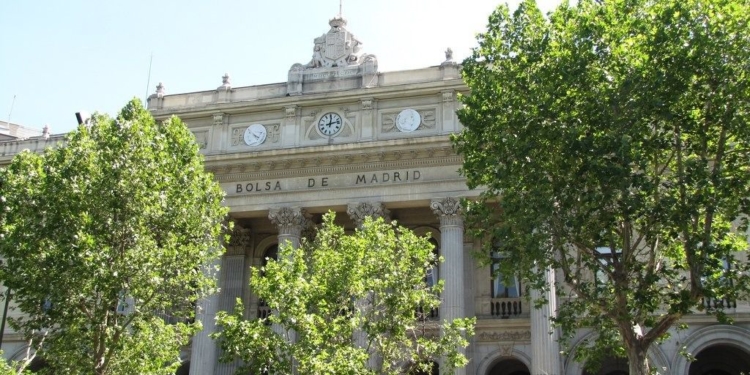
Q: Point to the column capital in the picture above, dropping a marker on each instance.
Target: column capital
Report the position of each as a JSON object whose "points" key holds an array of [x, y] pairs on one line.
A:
{"points": [[290, 220], [446, 207], [290, 111], [359, 211], [239, 237]]}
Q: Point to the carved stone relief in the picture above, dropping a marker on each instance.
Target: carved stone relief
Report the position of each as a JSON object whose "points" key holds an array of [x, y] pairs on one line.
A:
{"points": [[505, 336], [388, 120], [201, 138], [272, 131]]}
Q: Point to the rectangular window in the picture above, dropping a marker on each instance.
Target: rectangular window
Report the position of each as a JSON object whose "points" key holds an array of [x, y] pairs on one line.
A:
{"points": [[502, 288]]}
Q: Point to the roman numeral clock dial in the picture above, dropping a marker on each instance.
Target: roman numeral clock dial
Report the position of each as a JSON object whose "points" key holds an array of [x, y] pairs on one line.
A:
{"points": [[330, 124]]}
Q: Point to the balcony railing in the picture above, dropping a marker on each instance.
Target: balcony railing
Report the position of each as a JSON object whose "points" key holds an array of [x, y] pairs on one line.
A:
{"points": [[427, 314], [263, 310], [506, 308], [719, 303]]}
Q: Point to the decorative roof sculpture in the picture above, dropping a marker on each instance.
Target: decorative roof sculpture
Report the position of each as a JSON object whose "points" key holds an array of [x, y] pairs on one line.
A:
{"points": [[336, 55]]}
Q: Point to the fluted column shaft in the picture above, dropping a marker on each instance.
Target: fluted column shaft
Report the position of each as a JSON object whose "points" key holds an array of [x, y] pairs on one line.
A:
{"points": [[203, 351], [545, 349], [452, 268], [358, 212], [290, 222]]}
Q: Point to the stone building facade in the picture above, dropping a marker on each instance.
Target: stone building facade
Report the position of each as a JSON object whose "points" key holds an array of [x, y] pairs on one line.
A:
{"points": [[339, 135]]}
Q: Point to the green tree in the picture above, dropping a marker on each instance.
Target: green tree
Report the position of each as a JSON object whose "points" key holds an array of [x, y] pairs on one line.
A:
{"points": [[103, 235], [329, 291], [612, 141]]}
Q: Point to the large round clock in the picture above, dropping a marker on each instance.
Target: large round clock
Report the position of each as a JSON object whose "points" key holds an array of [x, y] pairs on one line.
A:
{"points": [[408, 120], [330, 124], [255, 135]]}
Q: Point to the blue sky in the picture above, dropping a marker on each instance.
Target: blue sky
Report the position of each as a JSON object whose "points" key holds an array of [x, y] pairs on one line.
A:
{"points": [[59, 57]]}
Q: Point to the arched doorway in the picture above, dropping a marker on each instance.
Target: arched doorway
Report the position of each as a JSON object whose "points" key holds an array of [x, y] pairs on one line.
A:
{"points": [[37, 365], [509, 367], [184, 369], [435, 370], [611, 366], [721, 360]]}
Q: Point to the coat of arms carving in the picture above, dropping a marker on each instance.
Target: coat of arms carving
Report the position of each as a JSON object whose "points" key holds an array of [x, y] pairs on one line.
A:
{"points": [[336, 48]]}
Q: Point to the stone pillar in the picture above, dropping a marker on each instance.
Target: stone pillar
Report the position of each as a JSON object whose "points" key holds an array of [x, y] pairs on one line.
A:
{"points": [[289, 128], [219, 138], [291, 222], [203, 351], [452, 269], [545, 349], [448, 113], [367, 118], [358, 212], [233, 282]]}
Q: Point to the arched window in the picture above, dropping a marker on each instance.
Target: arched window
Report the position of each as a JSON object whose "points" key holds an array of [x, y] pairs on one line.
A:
{"points": [[431, 278], [271, 253]]}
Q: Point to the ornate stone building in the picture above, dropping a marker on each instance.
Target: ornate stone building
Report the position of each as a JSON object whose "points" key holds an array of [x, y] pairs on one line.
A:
{"points": [[340, 135]]}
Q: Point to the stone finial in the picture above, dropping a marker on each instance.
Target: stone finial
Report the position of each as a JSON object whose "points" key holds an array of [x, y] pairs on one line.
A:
{"points": [[45, 131], [160, 90], [448, 57], [225, 83]]}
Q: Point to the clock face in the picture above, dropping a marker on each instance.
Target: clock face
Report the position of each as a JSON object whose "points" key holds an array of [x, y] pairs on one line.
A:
{"points": [[330, 124], [408, 120], [255, 135]]}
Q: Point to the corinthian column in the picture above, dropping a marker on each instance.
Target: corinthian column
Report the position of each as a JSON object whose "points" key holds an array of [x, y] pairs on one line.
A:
{"points": [[452, 250], [291, 222], [358, 212], [545, 350]]}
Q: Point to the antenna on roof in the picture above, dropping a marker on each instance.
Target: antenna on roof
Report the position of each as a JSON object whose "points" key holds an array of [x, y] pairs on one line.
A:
{"points": [[12, 104], [148, 80], [341, 6]]}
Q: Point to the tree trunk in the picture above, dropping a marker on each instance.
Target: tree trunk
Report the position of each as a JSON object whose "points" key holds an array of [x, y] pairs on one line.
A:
{"points": [[637, 358]]}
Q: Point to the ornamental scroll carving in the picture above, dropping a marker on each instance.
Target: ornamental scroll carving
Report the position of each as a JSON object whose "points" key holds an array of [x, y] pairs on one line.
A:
{"points": [[290, 220], [359, 211], [505, 336], [446, 207]]}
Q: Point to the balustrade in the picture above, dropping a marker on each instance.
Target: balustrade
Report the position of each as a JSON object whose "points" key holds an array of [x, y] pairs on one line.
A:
{"points": [[506, 308]]}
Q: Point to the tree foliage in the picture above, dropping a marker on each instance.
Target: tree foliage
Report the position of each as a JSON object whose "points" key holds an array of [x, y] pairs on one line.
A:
{"points": [[612, 140], [104, 235], [338, 287]]}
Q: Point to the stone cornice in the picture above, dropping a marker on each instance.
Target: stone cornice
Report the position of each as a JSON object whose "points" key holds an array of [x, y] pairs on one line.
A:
{"points": [[271, 165], [309, 100]]}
